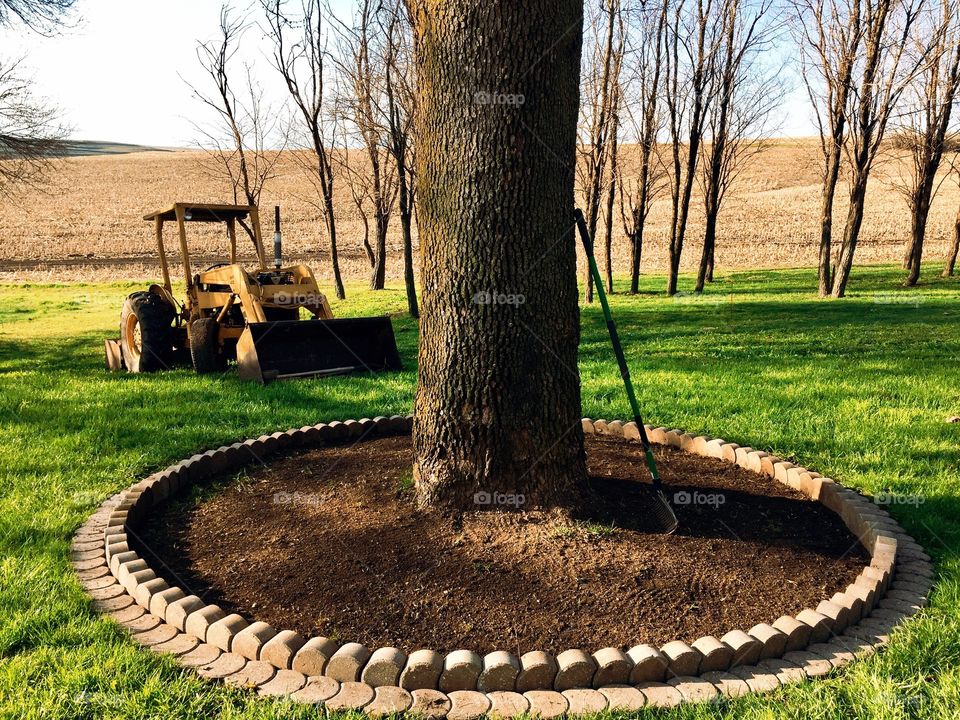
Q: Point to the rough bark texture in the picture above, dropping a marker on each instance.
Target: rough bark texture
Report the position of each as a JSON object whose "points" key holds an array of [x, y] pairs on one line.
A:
{"points": [[498, 397]]}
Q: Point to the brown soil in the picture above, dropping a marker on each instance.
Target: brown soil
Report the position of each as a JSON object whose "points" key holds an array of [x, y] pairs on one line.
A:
{"points": [[329, 543]]}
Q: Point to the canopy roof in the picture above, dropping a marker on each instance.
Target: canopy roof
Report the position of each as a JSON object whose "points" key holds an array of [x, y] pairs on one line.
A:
{"points": [[202, 212]]}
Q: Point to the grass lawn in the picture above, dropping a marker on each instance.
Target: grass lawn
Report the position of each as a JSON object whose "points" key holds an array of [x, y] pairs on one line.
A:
{"points": [[858, 389]]}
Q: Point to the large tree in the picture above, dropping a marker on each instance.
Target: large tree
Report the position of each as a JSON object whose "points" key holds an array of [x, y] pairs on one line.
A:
{"points": [[498, 398]]}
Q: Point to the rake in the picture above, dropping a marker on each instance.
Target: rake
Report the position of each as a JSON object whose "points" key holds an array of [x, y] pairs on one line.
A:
{"points": [[663, 514]]}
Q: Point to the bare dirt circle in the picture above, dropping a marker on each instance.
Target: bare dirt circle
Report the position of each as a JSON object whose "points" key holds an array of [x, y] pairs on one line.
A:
{"points": [[328, 542]]}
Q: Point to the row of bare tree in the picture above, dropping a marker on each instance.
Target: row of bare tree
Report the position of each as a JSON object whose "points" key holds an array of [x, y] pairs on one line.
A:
{"points": [[694, 86], [691, 84], [688, 82], [871, 66], [676, 95]]}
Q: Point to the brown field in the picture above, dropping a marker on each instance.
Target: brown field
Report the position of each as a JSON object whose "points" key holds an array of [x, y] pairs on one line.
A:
{"points": [[88, 225]]}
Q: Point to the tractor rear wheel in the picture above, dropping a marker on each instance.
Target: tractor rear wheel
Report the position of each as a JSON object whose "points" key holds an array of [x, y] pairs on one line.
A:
{"points": [[205, 346], [146, 332]]}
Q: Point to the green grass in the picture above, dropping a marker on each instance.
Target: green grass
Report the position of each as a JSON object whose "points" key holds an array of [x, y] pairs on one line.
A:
{"points": [[858, 389]]}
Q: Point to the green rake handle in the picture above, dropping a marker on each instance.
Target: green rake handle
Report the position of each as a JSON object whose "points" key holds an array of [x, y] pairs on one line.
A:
{"points": [[617, 347]]}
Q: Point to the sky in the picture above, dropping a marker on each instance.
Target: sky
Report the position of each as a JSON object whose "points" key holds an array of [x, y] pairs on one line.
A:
{"points": [[120, 74]]}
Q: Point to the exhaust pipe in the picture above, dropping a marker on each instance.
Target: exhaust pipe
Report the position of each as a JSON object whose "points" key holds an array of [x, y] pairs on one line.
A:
{"points": [[277, 241]]}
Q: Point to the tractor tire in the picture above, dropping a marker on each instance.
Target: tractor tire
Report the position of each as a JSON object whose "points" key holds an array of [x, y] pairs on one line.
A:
{"points": [[205, 347], [146, 332]]}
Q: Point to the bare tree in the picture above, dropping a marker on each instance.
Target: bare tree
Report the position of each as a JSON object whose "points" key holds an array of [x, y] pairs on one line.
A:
{"points": [[745, 94], [693, 37], [300, 55], [930, 97], [42, 16], [31, 134], [360, 60], [598, 93], [830, 34], [238, 143], [643, 121], [400, 91], [880, 77]]}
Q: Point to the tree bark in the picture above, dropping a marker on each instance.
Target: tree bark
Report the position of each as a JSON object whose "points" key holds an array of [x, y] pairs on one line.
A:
{"points": [[851, 234], [331, 224], [918, 229], [406, 223], [827, 196], [611, 196], [497, 405], [952, 256], [709, 239], [636, 251]]}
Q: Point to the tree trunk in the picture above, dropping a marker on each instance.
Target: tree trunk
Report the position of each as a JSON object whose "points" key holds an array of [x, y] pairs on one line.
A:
{"points": [[851, 233], [608, 220], [497, 405], [706, 257], [334, 255], [379, 276], [918, 229], [636, 251], [826, 219], [406, 223], [952, 256]]}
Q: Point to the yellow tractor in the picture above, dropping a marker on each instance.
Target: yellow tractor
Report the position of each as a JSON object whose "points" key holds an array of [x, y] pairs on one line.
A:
{"points": [[274, 321]]}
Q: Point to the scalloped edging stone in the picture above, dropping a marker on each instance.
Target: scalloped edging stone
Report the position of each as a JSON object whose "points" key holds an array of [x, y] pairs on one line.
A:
{"points": [[463, 685]]}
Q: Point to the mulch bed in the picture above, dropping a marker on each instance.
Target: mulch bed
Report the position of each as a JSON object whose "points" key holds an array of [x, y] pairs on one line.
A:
{"points": [[328, 542]]}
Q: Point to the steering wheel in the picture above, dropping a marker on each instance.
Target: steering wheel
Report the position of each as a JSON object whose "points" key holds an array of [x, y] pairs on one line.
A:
{"points": [[216, 265]]}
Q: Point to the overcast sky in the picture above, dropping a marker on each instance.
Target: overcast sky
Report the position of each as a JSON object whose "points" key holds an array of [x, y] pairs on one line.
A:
{"points": [[117, 75]]}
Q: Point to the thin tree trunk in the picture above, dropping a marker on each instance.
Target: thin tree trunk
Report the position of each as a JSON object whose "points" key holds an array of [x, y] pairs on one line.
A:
{"points": [[713, 252], [497, 405], [948, 268], [851, 234], [709, 238], [611, 194], [918, 229], [334, 256], [379, 275], [406, 222], [636, 250], [827, 196]]}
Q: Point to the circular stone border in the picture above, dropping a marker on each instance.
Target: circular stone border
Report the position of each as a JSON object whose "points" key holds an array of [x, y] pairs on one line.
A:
{"points": [[462, 684]]}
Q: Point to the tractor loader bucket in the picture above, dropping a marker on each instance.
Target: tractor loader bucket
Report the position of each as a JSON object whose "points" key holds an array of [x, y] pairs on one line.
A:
{"points": [[303, 348]]}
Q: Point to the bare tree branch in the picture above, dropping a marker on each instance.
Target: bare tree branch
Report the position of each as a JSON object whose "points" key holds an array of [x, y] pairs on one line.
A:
{"points": [[31, 134], [243, 144]]}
